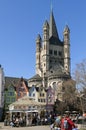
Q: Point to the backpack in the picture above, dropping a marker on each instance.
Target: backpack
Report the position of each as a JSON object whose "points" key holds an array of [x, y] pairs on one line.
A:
{"points": [[65, 124]]}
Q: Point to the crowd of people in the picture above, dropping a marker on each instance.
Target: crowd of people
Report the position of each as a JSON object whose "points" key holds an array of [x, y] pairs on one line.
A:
{"points": [[56, 122]]}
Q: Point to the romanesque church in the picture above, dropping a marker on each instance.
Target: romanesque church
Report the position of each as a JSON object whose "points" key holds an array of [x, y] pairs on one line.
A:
{"points": [[52, 58]]}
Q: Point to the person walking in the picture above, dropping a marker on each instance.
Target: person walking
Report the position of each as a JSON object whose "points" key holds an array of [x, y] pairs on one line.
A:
{"points": [[67, 123]]}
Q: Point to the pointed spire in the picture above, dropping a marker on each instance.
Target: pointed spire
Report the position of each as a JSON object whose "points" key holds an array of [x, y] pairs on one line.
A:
{"points": [[66, 29], [52, 25], [38, 40], [46, 25]]}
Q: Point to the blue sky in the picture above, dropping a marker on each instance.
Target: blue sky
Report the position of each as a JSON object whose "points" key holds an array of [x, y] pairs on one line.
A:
{"points": [[22, 20]]}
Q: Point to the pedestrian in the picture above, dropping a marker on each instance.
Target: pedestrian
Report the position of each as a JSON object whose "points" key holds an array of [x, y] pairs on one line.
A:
{"points": [[58, 120], [67, 123], [11, 124]]}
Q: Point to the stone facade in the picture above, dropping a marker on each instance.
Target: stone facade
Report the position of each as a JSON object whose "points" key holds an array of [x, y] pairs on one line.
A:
{"points": [[52, 58]]}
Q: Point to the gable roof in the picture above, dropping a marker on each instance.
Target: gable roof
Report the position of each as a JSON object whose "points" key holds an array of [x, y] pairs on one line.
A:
{"points": [[13, 81], [10, 81]]}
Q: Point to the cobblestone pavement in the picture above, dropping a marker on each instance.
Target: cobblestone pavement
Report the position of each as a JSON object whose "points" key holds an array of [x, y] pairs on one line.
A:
{"points": [[2, 127]]}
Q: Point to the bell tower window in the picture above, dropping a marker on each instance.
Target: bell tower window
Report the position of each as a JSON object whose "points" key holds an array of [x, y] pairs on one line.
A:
{"points": [[60, 53], [55, 53], [50, 52]]}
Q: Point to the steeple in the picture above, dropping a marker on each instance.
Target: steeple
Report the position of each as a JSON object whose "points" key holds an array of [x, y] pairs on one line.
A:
{"points": [[53, 30]]}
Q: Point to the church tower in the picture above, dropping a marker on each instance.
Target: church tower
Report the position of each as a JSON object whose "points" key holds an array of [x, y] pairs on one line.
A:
{"points": [[52, 57], [38, 54], [52, 54], [45, 51], [66, 34]]}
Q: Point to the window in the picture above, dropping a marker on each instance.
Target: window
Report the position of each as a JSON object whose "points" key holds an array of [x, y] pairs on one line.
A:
{"points": [[11, 88], [10, 93], [50, 61], [50, 52], [7, 99], [33, 94], [39, 100], [12, 99], [33, 107], [43, 94], [60, 62], [60, 53], [44, 73], [55, 53]]}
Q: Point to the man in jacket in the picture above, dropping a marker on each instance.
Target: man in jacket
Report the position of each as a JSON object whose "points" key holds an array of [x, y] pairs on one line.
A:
{"points": [[67, 123]]}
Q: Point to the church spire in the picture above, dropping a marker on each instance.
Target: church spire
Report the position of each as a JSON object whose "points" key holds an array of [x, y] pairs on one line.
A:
{"points": [[53, 30]]}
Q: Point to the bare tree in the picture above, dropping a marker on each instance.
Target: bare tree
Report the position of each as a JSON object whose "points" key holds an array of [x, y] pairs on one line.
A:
{"points": [[69, 93], [80, 75], [69, 101], [80, 78]]}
